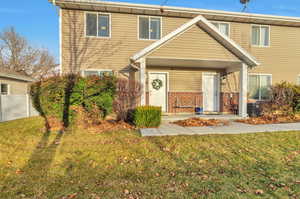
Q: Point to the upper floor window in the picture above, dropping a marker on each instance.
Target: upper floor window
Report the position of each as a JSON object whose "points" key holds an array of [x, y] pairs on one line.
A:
{"points": [[259, 86], [149, 28], [98, 25], [97, 72], [4, 89], [298, 80], [260, 35], [223, 27]]}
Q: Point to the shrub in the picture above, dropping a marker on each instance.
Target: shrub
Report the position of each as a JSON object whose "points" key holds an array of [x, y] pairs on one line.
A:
{"points": [[54, 96], [127, 98], [147, 116], [284, 100]]}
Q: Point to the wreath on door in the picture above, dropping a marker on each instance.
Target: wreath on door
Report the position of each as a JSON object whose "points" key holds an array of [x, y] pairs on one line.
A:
{"points": [[157, 84]]}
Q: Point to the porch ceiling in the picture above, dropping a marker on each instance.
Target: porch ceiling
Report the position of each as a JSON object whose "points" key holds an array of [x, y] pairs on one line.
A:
{"points": [[191, 63]]}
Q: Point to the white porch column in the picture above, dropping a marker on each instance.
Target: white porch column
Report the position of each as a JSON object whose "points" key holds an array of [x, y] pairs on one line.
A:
{"points": [[142, 62], [243, 91]]}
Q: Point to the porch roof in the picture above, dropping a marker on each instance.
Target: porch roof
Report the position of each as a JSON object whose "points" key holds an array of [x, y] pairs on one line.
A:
{"points": [[207, 26], [192, 63]]}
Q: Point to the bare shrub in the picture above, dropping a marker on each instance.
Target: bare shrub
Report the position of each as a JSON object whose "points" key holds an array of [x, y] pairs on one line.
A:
{"points": [[128, 95]]}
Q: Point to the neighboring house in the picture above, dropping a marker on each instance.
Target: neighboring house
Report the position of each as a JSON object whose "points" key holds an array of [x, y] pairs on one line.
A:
{"points": [[14, 83], [15, 102], [183, 57]]}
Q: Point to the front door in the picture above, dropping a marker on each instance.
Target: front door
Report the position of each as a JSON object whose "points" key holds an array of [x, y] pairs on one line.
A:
{"points": [[210, 85], [158, 90]]}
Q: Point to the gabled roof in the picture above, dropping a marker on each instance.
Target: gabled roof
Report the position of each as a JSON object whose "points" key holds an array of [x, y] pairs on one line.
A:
{"points": [[228, 43], [7, 73]]}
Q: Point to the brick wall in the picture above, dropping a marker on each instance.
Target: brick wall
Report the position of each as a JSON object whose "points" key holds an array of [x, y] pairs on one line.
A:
{"points": [[179, 101]]}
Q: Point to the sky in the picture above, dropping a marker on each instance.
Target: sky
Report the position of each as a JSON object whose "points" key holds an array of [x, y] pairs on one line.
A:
{"points": [[37, 20]]}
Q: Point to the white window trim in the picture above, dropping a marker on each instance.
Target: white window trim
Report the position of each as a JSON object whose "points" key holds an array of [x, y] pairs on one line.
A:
{"points": [[98, 13], [260, 26], [261, 74], [224, 22], [149, 17], [98, 70], [298, 80], [8, 88]]}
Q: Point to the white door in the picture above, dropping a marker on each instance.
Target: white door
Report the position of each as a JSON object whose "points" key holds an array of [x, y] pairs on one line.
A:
{"points": [[158, 90], [210, 85]]}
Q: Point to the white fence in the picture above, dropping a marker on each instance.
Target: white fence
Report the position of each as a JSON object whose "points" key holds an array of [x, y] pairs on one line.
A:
{"points": [[15, 107]]}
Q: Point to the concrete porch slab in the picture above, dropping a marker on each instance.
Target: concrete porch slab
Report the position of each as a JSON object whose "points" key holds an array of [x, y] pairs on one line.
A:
{"points": [[233, 128]]}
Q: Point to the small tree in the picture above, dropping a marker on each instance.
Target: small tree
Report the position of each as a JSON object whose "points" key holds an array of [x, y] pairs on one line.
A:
{"points": [[18, 55]]}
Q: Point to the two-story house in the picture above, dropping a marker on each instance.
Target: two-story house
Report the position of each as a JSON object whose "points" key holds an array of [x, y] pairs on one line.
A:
{"points": [[183, 57]]}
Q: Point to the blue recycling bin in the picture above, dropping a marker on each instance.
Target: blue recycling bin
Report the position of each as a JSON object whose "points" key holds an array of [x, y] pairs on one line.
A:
{"points": [[199, 110]]}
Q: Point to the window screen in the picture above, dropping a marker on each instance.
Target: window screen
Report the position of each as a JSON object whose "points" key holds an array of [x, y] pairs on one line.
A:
{"points": [[144, 27], [103, 25], [223, 27], [155, 28], [260, 35], [98, 25], [259, 86], [91, 24], [149, 28]]}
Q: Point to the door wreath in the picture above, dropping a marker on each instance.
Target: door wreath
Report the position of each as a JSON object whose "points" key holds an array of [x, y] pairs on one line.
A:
{"points": [[157, 84]]}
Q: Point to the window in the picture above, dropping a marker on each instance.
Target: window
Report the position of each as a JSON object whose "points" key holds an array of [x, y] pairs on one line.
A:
{"points": [[4, 89], [98, 25], [260, 35], [259, 86], [223, 27], [99, 73], [298, 80], [150, 28]]}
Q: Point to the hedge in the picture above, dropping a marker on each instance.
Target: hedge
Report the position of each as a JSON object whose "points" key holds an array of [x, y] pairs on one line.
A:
{"points": [[147, 116], [54, 96]]}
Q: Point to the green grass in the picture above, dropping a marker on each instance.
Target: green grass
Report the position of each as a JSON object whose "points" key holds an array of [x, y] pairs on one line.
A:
{"points": [[39, 165]]}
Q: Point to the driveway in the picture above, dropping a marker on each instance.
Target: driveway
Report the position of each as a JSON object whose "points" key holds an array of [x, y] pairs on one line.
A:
{"points": [[169, 129]]}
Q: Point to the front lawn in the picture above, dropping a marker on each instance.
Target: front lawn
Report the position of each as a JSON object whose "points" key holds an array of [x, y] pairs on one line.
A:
{"points": [[85, 165]]}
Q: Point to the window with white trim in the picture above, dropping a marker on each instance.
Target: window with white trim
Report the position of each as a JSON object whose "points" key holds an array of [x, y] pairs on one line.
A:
{"points": [[4, 89], [97, 25], [259, 86], [298, 80], [96, 72], [223, 27], [149, 28], [260, 35]]}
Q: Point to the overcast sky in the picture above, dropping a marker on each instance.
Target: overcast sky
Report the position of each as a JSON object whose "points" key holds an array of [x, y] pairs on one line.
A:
{"points": [[37, 20]]}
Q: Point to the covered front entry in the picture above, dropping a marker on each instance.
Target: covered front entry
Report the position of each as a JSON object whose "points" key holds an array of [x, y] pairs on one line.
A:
{"points": [[211, 92], [197, 58]]}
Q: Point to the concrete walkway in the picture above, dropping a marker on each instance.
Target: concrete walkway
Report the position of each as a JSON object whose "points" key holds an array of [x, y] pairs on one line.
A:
{"points": [[234, 128]]}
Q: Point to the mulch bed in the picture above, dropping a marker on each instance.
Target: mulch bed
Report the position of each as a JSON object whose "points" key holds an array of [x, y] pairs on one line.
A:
{"points": [[199, 122], [270, 120], [110, 125]]}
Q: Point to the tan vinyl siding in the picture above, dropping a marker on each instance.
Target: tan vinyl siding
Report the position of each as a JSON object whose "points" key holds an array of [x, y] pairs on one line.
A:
{"points": [[281, 59], [16, 87], [183, 79], [194, 44], [105, 53]]}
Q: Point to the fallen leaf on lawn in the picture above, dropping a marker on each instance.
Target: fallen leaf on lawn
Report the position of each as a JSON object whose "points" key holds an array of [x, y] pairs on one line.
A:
{"points": [[19, 171], [126, 191], [259, 192]]}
